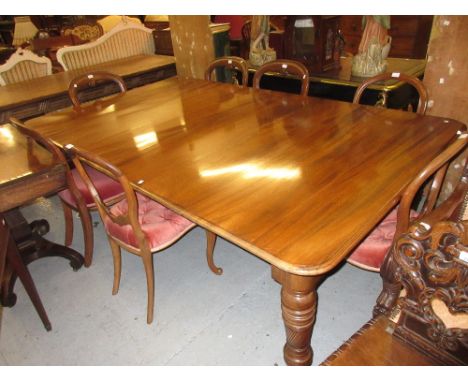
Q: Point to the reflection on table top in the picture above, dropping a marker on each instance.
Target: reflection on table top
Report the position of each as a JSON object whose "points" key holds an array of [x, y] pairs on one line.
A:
{"points": [[296, 181], [28, 91], [20, 158]]}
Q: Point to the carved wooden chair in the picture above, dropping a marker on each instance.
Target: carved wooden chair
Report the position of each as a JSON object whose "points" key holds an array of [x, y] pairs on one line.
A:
{"points": [[24, 65], [374, 252], [234, 64], [89, 80], [414, 81], [429, 324], [137, 223], [73, 191], [285, 67]]}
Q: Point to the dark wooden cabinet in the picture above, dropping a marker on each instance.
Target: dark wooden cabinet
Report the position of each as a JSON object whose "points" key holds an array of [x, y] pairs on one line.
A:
{"points": [[410, 35]]}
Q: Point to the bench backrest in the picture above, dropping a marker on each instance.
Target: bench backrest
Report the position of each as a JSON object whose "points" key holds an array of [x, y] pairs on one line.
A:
{"points": [[24, 65], [125, 40]]}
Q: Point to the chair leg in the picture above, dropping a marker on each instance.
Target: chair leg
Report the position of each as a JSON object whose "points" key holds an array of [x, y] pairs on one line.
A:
{"points": [[117, 255], [210, 244], [149, 270], [68, 215], [88, 235]]}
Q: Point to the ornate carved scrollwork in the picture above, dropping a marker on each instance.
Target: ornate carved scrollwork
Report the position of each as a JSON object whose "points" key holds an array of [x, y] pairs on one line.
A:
{"points": [[430, 268]]}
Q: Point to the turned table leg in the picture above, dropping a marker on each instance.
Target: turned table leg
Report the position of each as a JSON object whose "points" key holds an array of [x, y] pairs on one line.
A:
{"points": [[299, 307]]}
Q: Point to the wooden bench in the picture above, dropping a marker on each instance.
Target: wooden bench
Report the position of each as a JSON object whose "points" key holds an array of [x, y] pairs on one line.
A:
{"points": [[124, 40], [429, 324]]}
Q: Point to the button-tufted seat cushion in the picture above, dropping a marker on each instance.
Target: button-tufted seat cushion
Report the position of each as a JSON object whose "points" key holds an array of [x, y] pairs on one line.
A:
{"points": [[161, 226], [372, 251], [107, 188]]}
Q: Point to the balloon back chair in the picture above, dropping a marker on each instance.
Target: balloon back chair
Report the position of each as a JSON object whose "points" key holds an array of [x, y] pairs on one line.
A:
{"points": [[287, 68], [414, 81], [137, 223], [232, 63], [90, 80], [109, 190], [73, 191]]}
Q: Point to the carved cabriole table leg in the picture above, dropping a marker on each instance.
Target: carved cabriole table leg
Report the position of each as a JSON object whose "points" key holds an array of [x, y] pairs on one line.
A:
{"points": [[299, 307]]}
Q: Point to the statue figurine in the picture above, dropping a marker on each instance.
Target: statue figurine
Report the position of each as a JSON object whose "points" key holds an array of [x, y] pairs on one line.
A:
{"points": [[373, 48], [260, 50]]}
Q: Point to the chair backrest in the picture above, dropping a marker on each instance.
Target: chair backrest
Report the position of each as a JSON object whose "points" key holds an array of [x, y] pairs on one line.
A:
{"points": [[435, 171], [432, 265], [285, 67], [90, 80], [232, 63], [57, 157], [126, 39], [414, 81], [80, 157], [24, 65], [85, 31]]}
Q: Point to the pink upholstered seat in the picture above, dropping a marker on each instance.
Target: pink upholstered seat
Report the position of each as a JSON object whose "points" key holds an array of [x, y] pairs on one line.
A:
{"points": [[160, 225], [372, 251], [107, 187]]}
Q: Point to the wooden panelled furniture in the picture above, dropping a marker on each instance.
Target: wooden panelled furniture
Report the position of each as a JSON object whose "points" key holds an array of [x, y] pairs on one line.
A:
{"points": [[123, 41], [410, 35], [24, 65], [42, 95], [429, 323], [300, 191], [31, 167]]}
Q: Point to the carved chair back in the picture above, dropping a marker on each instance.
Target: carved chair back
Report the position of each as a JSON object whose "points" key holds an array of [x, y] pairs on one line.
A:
{"points": [[90, 79], [85, 31], [80, 157], [284, 67], [431, 261], [414, 81], [232, 63], [24, 65]]}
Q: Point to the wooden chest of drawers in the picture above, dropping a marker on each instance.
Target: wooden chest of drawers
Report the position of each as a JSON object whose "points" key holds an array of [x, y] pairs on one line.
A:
{"points": [[410, 35]]}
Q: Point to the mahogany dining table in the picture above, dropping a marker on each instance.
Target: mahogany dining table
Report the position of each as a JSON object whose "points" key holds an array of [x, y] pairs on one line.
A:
{"points": [[297, 181]]}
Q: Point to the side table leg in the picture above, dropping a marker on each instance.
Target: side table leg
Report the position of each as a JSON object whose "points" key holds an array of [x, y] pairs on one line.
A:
{"points": [[16, 262], [299, 307]]}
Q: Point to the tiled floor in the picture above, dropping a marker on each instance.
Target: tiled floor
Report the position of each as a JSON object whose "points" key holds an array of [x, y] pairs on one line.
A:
{"points": [[200, 318]]}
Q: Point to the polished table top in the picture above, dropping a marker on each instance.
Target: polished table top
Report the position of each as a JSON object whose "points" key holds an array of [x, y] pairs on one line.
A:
{"points": [[16, 163], [296, 181], [38, 88]]}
